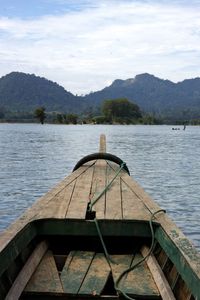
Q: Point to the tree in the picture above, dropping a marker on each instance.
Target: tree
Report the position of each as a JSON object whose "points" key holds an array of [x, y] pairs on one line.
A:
{"points": [[40, 114], [59, 118], [71, 118], [121, 110]]}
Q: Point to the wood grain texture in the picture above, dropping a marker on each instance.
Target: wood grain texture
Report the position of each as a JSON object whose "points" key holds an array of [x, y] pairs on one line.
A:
{"points": [[98, 185], [58, 205], [138, 282], [75, 270], [133, 208], [26, 272], [113, 196], [159, 277], [33, 213], [96, 276], [81, 196], [102, 144], [46, 278]]}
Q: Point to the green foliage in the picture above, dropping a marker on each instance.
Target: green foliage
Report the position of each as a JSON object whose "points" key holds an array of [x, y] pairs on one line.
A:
{"points": [[59, 119], [100, 120], [2, 113], [71, 118], [121, 111], [21, 92], [40, 114], [150, 119]]}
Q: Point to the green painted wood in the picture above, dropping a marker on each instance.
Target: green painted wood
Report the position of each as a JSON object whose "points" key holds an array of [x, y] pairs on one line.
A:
{"points": [[138, 282], [46, 278], [174, 253], [16, 246], [96, 277], [75, 270], [128, 228]]}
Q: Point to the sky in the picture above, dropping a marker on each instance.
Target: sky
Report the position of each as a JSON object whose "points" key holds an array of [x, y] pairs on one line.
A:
{"points": [[84, 45]]}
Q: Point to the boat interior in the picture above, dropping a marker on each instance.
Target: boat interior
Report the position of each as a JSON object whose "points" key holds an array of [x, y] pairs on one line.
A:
{"points": [[68, 259]]}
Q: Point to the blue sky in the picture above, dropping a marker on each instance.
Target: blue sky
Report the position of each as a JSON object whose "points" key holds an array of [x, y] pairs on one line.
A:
{"points": [[85, 44]]}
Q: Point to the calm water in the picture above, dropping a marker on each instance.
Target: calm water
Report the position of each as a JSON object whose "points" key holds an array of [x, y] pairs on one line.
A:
{"points": [[33, 158]]}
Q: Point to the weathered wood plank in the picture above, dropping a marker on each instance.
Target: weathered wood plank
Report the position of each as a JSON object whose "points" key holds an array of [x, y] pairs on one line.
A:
{"points": [[113, 196], [140, 193], [172, 240], [26, 272], [119, 265], [81, 195], [46, 278], [133, 208], [102, 145], [158, 275], [57, 206], [32, 213], [96, 277], [98, 185], [140, 281], [181, 291], [75, 270]]}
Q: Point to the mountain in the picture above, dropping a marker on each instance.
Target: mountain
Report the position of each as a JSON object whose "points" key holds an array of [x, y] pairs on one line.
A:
{"points": [[20, 92], [155, 95]]}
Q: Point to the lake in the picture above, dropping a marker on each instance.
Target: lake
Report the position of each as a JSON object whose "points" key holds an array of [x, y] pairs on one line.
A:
{"points": [[165, 162]]}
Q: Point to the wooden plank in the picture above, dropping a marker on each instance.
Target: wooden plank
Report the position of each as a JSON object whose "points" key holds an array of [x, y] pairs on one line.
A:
{"points": [[133, 208], [98, 185], [119, 264], [96, 277], [181, 291], [102, 146], [32, 213], [158, 275], [140, 193], [26, 272], [58, 205], [75, 270], [179, 249], [113, 196], [81, 196], [46, 278], [140, 281]]}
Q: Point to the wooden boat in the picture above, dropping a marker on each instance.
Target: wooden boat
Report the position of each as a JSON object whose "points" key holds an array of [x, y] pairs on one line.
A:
{"points": [[97, 235]]}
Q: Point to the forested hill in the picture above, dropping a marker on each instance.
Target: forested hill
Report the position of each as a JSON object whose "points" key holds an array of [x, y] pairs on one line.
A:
{"points": [[162, 97], [20, 92]]}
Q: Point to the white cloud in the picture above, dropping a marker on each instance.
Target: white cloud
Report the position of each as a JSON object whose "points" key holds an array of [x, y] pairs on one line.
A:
{"points": [[85, 49]]}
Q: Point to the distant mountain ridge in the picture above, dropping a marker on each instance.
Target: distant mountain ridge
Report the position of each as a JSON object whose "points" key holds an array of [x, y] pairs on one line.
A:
{"points": [[24, 92]]}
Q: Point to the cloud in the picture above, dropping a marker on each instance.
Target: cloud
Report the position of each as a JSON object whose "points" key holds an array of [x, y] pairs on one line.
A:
{"points": [[86, 48]]}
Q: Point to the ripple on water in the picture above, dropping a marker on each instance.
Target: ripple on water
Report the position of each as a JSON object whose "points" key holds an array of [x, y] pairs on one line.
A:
{"points": [[165, 163]]}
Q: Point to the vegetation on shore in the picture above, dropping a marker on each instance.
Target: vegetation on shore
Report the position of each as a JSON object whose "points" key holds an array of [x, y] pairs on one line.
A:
{"points": [[160, 101], [112, 111], [115, 111]]}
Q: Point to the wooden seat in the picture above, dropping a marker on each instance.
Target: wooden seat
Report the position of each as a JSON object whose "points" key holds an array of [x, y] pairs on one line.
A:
{"points": [[86, 274], [139, 282]]}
